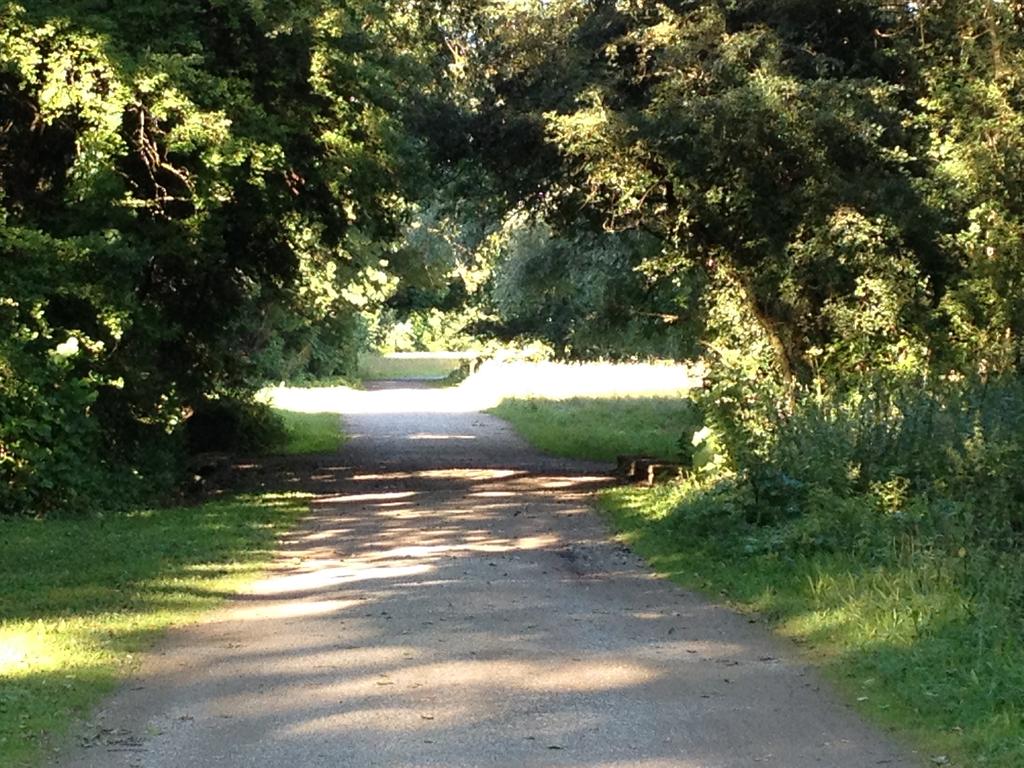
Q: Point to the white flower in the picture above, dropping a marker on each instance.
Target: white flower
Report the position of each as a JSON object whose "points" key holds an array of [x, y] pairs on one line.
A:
{"points": [[69, 348], [701, 435]]}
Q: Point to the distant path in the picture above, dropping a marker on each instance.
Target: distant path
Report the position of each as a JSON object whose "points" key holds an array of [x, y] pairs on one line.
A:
{"points": [[452, 602]]}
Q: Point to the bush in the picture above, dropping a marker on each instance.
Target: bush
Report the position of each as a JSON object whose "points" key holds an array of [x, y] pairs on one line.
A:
{"points": [[233, 425], [938, 465]]}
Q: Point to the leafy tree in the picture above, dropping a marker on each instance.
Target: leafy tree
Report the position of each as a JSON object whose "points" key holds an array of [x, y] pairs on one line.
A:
{"points": [[195, 195], [817, 193]]}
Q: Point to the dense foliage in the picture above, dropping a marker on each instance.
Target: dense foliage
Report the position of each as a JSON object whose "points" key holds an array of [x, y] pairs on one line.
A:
{"points": [[824, 197], [845, 173], [194, 196], [824, 200]]}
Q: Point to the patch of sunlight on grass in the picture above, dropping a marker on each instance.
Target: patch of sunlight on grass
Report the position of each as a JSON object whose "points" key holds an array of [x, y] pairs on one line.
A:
{"points": [[626, 398], [82, 596], [601, 428], [311, 432], [411, 365], [818, 624], [221, 569], [311, 416], [24, 648]]}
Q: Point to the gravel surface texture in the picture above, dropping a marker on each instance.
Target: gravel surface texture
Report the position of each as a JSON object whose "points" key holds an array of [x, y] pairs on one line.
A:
{"points": [[453, 601]]}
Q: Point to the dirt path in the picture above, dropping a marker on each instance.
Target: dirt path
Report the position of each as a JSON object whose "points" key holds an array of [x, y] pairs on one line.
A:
{"points": [[452, 602]]}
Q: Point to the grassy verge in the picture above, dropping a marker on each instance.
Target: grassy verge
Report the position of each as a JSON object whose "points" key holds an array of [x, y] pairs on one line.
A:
{"points": [[81, 596], [409, 365], [924, 641], [900, 636], [599, 428], [310, 415], [310, 432]]}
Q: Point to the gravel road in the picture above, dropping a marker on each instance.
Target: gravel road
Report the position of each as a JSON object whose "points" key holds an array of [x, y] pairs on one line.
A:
{"points": [[452, 601]]}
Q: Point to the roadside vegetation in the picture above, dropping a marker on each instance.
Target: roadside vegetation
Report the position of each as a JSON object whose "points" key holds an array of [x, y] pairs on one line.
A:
{"points": [[599, 428], [410, 365], [310, 432], [882, 538], [307, 419], [82, 595]]}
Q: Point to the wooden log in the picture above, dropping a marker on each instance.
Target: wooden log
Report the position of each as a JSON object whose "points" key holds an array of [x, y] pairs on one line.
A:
{"points": [[632, 466], [664, 472]]}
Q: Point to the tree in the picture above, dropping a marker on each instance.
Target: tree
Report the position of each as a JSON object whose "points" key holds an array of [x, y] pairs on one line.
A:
{"points": [[194, 196]]}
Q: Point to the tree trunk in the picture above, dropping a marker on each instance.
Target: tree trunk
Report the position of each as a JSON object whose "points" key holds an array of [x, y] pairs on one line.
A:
{"points": [[790, 362]]}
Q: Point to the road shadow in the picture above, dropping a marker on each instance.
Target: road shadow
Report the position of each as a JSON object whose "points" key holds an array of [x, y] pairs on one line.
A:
{"points": [[452, 600]]}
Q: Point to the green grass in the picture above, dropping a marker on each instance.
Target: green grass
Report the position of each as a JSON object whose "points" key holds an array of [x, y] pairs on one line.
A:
{"points": [[408, 365], [908, 645], [81, 596], [310, 432], [925, 642], [600, 428]]}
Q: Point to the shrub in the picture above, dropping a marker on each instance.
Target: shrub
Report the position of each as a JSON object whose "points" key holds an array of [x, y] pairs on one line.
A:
{"points": [[234, 425], [936, 464]]}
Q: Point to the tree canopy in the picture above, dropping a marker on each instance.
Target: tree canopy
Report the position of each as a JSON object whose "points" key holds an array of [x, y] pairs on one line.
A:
{"points": [[195, 196], [199, 196]]}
